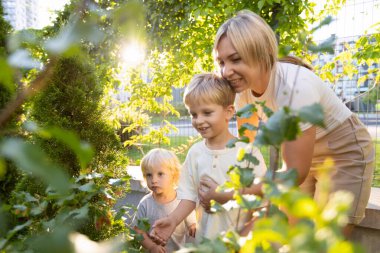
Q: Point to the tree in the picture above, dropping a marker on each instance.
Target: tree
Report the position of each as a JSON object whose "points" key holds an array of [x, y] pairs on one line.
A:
{"points": [[70, 174], [180, 40]]}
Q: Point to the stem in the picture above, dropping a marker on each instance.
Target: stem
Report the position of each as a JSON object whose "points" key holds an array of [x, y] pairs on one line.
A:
{"points": [[274, 154]]}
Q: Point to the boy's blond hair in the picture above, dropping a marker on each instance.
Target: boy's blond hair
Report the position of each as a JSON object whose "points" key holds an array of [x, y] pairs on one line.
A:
{"points": [[209, 88], [252, 37], [161, 157]]}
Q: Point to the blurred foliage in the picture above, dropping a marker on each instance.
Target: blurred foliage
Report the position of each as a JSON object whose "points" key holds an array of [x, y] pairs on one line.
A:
{"points": [[179, 44], [59, 115], [69, 163], [364, 53], [317, 224]]}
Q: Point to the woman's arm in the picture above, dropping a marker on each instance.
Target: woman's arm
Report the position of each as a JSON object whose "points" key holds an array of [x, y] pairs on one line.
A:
{"points": [[298, 154]]}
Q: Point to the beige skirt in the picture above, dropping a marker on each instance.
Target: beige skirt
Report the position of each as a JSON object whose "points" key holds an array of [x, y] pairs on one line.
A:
{"points": [[351, 148]]}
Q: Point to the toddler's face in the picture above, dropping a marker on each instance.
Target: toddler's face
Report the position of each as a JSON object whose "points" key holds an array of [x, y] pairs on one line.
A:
{"points": [[160, 179]]}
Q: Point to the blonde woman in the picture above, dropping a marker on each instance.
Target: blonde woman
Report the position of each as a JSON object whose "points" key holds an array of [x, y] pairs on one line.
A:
{"points": [[246, 51]]}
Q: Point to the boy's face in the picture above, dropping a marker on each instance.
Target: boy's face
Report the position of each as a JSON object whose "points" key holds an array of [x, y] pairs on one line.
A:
{"points": [[209, 119], [160, 180]]}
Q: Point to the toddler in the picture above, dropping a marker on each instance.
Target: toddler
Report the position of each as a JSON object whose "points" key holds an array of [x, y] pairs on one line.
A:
{"points": [[161, 169]]}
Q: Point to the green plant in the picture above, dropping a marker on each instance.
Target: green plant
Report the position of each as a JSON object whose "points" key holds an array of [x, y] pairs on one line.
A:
{"points": [[319, 223], [69, 158]]}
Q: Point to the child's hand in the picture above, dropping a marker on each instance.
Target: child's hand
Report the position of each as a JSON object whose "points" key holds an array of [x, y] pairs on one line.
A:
{"points": [[205, 196], [192, 229], [162, 230], [157, 249]]}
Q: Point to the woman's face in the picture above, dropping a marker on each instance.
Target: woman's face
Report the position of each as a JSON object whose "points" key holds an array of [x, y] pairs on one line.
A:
{"points": [[240, 75]]}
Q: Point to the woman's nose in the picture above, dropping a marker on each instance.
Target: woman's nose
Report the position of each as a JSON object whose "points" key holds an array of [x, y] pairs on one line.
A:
{"points": [[226, 71]]}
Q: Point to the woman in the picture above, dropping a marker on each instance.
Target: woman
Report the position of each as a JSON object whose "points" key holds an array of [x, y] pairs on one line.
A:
{"points": [[246, 51]]}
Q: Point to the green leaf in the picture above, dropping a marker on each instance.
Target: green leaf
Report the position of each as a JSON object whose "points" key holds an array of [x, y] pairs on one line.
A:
{"points": [[246, 126], [6, 76], [216, 207], [231, 143], [246, 176], [312, 114], [247, 111], [20, 207], [32, 159], [143, 224], [326, 21], [281, 126], [326, 46], [29, 198], [39, 209], [287, 178], [260, 4], [122, 211], [18, 228], [81, 213], [118, 181], [89, 187], [82, 150], [231, 238], [271, 190], [248, 201], [249, 157]]}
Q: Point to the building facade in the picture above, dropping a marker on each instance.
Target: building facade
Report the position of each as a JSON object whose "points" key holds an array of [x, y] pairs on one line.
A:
{"points": [[23, 14]]}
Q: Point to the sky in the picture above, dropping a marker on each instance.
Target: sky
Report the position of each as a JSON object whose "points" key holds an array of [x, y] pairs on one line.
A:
{"points": [[353, 19], [48, 9]]}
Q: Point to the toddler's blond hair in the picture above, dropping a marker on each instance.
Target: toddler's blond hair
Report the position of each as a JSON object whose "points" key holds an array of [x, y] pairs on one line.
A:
{"points": [[161, 157]]}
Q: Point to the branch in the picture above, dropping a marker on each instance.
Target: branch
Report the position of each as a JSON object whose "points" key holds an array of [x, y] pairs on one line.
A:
{"points": [[36, 85]]}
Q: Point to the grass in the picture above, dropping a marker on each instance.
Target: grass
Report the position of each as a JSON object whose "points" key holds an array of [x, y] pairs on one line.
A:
{"points": [[135, 154], [177, 142]]}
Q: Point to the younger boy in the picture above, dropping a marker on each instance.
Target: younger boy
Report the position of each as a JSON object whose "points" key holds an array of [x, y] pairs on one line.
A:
{"points": [[209, 100], [161, 168]]}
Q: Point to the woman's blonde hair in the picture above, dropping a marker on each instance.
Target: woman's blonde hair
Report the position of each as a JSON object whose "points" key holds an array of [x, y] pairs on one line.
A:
{"points": [[209, 88], [161, 157], [253, 39]]}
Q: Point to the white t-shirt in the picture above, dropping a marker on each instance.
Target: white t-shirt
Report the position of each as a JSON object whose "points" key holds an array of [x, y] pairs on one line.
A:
{"points": [[295, 86], [149, 208], [202, 162]]}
